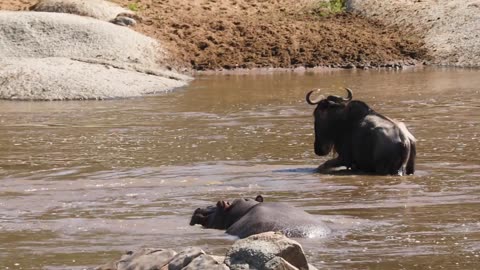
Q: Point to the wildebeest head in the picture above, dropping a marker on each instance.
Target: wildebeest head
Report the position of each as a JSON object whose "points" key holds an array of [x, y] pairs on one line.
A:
{"points": [[328, 115], [224, 213]]}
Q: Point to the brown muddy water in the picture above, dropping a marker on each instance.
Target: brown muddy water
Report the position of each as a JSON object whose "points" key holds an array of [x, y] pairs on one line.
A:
{"points": [[82, 182]]}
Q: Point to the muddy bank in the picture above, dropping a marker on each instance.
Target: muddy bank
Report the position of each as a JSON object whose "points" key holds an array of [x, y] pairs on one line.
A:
{"points": [[449, 28], [211, 35]]}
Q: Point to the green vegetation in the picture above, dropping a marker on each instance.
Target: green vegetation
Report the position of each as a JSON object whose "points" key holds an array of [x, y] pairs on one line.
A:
{"points": [[133, 7], [324, 8]]}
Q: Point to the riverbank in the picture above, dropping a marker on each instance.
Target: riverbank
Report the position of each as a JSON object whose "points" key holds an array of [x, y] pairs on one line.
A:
{"points": [[225, 35], [449, 28]]}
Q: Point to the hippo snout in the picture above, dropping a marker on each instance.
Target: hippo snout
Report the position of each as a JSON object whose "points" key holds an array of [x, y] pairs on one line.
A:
{"points": [[201, 216], [196, 217]]}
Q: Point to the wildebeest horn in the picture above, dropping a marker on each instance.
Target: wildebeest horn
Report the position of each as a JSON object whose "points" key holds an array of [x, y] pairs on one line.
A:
{"points": [[315, 101], [338, 99], [349, 94]]}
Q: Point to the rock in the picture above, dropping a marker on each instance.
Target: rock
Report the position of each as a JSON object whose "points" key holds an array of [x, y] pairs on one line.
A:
{"points": [[205, 262], [257, 250], [217, 258], [183, 258], [41, 34], [278, 263], [265, 251], [143, 259], [124, 21], [67, 79], [52, 56], [98, 9]]}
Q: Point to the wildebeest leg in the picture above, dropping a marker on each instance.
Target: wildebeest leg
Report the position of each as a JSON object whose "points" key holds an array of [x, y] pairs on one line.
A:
{"points": [[411, 159], [329, 164], [391, 160]]}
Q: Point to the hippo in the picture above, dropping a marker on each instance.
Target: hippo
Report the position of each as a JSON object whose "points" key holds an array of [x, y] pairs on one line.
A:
{"points": [[245, 217]]}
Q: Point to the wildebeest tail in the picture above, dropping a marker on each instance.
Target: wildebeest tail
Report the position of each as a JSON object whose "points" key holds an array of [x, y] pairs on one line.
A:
{"points": [[410, 169]]}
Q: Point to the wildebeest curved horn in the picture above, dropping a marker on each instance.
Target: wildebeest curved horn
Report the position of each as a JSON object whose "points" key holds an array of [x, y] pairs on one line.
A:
{"points": [[315, 101], [349, 94]]}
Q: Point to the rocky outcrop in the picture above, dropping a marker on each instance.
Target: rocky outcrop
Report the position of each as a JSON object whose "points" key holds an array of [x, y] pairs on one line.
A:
{"points": [[266, 251], [449, 27], [98, 9], [56, 78], [53, 56], [41, 34]]}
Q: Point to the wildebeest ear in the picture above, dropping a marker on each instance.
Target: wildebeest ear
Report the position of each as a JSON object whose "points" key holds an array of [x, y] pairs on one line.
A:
{"points": [[259, 198]]}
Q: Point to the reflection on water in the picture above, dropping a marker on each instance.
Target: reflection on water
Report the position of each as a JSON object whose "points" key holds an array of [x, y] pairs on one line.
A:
{"points": [[82, 182]]}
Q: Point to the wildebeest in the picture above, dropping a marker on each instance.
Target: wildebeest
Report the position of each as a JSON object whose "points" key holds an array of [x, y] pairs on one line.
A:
{"points": [[363, 139]]}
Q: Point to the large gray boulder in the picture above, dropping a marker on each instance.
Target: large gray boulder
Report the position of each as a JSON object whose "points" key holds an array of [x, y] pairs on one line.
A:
{"points": [[262, 251], [449, 28], [99, 9], [66, 79], [53, 56], [42, 34]]}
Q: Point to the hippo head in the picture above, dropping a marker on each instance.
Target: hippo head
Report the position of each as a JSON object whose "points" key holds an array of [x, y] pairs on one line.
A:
{"points": [[224, 213]]}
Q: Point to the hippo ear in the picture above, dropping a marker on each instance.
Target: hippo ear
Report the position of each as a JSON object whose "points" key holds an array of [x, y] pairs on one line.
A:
{"points": [[259, 198]]}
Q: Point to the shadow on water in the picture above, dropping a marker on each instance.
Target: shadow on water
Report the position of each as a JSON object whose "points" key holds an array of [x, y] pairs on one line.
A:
{"points": [[81, 182], [297, 170]]}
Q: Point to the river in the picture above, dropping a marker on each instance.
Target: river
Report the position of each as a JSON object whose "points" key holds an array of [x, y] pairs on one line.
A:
{"points": [[83, 181]]}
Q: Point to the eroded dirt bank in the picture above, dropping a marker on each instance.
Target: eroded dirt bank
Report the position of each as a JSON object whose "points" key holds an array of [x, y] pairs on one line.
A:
{"points": [[449, 28], [212, 34]]}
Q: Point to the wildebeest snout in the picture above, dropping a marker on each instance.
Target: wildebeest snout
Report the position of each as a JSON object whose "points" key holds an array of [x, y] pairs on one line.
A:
{"points": [[322, 149]]}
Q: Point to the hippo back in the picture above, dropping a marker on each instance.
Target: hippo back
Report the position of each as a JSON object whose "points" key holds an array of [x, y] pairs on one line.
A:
{"points": [[272, 216]]}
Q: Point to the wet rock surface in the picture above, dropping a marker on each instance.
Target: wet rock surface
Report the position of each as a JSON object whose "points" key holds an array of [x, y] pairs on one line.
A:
{"points": [[269, 251]]}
